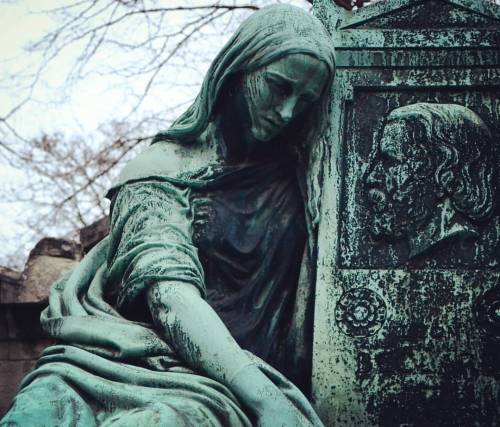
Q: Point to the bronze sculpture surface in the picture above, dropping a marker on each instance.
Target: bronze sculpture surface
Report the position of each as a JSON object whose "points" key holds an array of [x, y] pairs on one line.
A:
{"points": [[431, 177], [210, 227]]}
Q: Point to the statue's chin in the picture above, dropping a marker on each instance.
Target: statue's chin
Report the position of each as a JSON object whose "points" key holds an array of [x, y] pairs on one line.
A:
{"points": [[262, 135], [265, 131]]}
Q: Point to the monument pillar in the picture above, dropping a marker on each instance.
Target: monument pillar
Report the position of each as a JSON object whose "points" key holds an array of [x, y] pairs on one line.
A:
{"points": [[407, 316]]}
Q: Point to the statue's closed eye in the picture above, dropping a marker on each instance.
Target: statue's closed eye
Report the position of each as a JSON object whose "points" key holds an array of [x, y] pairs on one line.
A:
{"points": [[278, 86]]}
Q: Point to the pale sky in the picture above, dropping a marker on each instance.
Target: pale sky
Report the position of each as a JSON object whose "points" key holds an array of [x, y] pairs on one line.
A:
{"points": [[85, 106], [79, 111], [81, 108]]}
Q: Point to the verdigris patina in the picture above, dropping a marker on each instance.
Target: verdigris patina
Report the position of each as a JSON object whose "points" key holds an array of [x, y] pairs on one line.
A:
{"points": [[407, 319], [209, 255], [431, 178]]}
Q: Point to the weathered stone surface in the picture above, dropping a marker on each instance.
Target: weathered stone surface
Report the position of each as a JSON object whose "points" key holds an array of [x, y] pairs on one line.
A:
{"points": [[40, 273], [10, 284], [94, 233], [4, 350], [407, 320], [63, 248], [9, 276], [11, 373], [48, 260], [444, 16], [26, 350], [3, 324], [22, 321]]}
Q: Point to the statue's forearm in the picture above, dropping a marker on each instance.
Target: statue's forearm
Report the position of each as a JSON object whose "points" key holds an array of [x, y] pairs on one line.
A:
{"points": [[200, 337]]}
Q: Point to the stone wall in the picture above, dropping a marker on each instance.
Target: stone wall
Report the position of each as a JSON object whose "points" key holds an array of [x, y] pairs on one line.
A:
{"points": [[23, 296]]}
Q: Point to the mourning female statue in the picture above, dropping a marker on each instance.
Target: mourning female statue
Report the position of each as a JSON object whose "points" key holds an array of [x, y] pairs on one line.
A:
{"points": [[197, 308], [431, 177]]}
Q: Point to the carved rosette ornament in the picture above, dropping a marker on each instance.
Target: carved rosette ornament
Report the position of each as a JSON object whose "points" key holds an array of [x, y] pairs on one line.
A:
{"points": [[487, 312], [360, 312]]}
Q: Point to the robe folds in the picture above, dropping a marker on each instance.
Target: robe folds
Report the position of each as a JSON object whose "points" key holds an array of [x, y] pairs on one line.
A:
{"points": [[110, 366]]}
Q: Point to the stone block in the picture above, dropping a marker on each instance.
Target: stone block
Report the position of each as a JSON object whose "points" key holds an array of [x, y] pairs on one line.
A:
{"points": [[9, 276], [94, 233], [10, 281], [11, 373], [25, 350], [4, 330], [23, 321], [4, 350], [40, 273], [48, 260], [56, 248]]}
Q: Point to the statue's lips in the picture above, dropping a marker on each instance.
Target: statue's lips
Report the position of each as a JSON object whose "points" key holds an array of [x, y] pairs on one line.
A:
{"points": [[271, 123]]}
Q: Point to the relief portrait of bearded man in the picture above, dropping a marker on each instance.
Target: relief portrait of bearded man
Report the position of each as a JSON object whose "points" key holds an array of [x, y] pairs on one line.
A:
{"points": [[430, 178]]}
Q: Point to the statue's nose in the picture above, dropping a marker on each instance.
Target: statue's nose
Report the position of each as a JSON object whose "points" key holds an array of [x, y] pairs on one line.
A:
{"points": [[286, 109]]}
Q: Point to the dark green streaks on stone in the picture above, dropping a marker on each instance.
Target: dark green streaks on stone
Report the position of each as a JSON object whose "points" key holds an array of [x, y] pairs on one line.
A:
{"points": [[407, 322]]}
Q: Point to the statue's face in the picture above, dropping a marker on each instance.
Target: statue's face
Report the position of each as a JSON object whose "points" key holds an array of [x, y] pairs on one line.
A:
{"points": [[279, 92], [399, 183]]}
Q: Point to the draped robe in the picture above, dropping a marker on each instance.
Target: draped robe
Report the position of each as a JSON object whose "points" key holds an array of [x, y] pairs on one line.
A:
{"points": [[111, 367]]}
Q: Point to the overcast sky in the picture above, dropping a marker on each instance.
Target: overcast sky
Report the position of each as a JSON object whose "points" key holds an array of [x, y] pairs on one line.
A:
{"points": [[83, 107], [79, 109]]}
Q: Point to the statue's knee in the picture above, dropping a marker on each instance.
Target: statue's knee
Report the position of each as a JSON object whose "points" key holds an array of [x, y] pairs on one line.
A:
{"points": [[47, 401]]}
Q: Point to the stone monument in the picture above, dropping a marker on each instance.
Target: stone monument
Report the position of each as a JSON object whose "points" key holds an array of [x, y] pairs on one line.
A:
{"points": [[407, 317]]}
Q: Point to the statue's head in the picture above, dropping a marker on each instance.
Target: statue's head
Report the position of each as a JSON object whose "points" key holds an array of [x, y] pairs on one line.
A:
{"points": [[276, 39], [430, 176], [276, 94], [285, 60]]}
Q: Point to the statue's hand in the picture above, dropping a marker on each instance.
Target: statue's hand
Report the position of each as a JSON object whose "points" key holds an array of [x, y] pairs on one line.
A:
{"points": [[349, 4], [278, 411], [265, 400]]}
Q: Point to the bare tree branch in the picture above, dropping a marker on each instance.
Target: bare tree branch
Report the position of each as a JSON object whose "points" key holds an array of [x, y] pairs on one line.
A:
{"points": [[141, 46]]}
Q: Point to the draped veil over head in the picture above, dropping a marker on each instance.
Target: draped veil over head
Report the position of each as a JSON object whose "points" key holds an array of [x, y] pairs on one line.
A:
{"points": [[266, 36]]}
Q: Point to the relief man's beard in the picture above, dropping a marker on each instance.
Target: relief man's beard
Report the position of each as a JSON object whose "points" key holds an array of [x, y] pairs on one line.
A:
{"points": [[385, 225]]}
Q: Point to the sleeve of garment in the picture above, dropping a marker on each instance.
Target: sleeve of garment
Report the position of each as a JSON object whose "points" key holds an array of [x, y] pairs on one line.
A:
{"points": [[150, 241]]}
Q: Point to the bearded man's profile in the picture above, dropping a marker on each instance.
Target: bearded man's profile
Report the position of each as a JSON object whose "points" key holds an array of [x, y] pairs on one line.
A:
{"points": [[430, 177]]}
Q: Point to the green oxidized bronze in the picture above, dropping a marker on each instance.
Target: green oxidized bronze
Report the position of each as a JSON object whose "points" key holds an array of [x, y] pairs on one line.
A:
{"points": [[209, 255], [407, 307], [431, 177]]}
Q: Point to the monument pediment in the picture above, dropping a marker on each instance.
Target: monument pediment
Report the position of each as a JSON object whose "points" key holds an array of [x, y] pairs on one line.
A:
{"points": [[448, 33], [424, 14]]}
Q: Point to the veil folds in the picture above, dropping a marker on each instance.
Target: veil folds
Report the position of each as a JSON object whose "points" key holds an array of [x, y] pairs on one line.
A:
{"points": [[266, 36]]}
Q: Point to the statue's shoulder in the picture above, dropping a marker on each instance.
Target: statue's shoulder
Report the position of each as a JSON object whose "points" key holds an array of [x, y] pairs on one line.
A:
{"points": [[167, 160]]}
